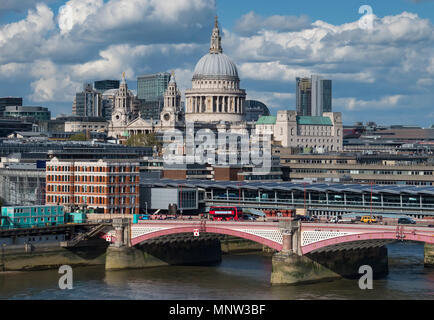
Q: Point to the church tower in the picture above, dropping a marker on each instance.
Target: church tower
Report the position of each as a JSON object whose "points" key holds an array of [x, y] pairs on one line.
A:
{"points": [[171, 115], [122, 108]]}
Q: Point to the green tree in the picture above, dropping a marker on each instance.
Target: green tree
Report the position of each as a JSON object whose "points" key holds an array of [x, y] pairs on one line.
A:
{"points": [[144, 140], [78, 137]]}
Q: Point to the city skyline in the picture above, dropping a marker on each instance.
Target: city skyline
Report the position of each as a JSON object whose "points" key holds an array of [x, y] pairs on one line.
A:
{"points": [[385, 75]]}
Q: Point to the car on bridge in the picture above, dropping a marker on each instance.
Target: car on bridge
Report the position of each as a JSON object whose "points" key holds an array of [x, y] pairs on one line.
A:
{"points": [[368, 219], [248, 217], [406, 221]]}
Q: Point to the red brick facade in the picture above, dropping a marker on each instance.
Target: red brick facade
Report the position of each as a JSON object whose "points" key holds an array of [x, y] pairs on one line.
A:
{"points": [[110, 186]]}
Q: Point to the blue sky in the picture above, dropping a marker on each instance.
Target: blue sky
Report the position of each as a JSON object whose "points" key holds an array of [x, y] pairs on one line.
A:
{"points": [[48, 48]]}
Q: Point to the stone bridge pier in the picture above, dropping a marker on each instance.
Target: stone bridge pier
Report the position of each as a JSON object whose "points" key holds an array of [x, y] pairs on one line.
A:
{"points": [[291, 267], [181, 249]]}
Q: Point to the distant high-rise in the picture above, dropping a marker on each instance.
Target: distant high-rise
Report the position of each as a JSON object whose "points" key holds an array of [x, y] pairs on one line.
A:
{"points": [[150, 90], [9, 101], [321, 95], [87, 103], [104, 85], [314, 96], [304, 96]]}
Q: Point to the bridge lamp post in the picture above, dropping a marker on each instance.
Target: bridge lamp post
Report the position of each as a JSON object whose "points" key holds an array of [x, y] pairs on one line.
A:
{"points": [[372, 183], [180, 199]]}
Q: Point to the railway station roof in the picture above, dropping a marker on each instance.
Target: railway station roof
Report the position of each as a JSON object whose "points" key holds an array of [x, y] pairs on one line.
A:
{"points": [[291, 186]]}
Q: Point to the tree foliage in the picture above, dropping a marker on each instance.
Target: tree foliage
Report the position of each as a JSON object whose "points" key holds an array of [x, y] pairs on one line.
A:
{"points": [[143, 140], [79, 137]]}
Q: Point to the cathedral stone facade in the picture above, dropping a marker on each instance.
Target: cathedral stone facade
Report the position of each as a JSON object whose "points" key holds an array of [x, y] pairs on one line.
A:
{"points": [[215, 101], [215, 95]]}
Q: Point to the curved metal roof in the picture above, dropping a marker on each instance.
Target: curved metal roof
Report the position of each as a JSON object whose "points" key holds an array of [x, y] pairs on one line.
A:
{"points": [[291, 186]]}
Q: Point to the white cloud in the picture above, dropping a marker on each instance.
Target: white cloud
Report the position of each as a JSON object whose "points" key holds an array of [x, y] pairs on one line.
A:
{"points": [[352, 104], [75, 12], [252, 23], [37, 22], [273, 100], [52, 83]]}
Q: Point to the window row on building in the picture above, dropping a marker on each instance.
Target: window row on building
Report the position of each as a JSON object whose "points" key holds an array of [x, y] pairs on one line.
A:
{"points": [[88, 178]]}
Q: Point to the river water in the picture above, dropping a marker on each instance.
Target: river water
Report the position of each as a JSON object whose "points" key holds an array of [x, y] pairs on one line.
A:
{"points": [[244, 276]]}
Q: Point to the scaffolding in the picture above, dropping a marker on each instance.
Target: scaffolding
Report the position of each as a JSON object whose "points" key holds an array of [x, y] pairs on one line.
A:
{"points": [[22, 187]]}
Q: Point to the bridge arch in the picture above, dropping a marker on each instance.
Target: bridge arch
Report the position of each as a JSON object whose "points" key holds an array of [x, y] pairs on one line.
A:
{"points": [[217, 230], [408, 236]]}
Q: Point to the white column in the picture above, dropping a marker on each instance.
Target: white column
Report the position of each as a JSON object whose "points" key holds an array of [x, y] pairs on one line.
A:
{"points": [[200, 104]]}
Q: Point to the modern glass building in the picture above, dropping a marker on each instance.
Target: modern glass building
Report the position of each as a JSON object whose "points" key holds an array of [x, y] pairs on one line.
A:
{"points": [[87, 103], [151, 87], [303, 96], [314, 96], [150, 90], [38, 113], [321, 95], [9, 101], [104, 85]]}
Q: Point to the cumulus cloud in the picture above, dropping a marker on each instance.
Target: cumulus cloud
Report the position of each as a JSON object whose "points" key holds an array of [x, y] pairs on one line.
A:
{"points": [[18, 40], [388, 68], [76, 12], [51, 83], [252, 23]]}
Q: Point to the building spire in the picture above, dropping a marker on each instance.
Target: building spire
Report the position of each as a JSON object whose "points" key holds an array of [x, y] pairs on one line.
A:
{"points": [[216, 46]]}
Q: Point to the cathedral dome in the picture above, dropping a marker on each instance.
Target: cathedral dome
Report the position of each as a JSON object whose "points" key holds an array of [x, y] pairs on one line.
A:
{"points": [[215, 64]]}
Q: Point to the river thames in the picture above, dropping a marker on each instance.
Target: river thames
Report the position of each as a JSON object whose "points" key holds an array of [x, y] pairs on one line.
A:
{"points": [[243, 276]]}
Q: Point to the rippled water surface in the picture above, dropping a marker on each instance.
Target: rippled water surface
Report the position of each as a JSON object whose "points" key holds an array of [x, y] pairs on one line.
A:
{"points": [[244, 276]]}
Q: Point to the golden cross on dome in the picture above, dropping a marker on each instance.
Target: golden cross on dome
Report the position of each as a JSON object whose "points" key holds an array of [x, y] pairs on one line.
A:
{"points": [[172, 73]]}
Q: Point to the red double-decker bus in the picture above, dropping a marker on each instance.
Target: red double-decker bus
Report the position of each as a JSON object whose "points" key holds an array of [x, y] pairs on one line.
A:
{"points": [[225, 213]]}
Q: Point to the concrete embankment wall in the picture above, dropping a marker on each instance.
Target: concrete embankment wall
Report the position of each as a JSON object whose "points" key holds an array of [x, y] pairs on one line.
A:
{"points": [[203, 252], [429, 255], [51, 255]]}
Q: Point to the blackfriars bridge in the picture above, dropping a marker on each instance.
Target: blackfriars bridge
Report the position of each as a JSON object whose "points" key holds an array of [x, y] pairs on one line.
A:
{"points": [[305, 251]]}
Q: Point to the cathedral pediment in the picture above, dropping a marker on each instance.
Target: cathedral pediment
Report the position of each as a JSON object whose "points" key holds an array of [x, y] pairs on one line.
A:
{"points": [[139, 123]]}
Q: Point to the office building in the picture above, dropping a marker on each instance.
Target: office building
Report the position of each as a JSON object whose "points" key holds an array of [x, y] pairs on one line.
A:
{"points": [[151, 87], [37, 113], [150, 92], [304, 96], [104, 85], [9, 101], [321, 95], [313, 96], [317, 134], [105, 186], [87, 103], [83, 124]]}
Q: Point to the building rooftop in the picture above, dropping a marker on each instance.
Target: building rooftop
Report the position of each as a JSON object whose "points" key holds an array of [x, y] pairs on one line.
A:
{"points": [[266, 120], [291, 186], [318, 121]]}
